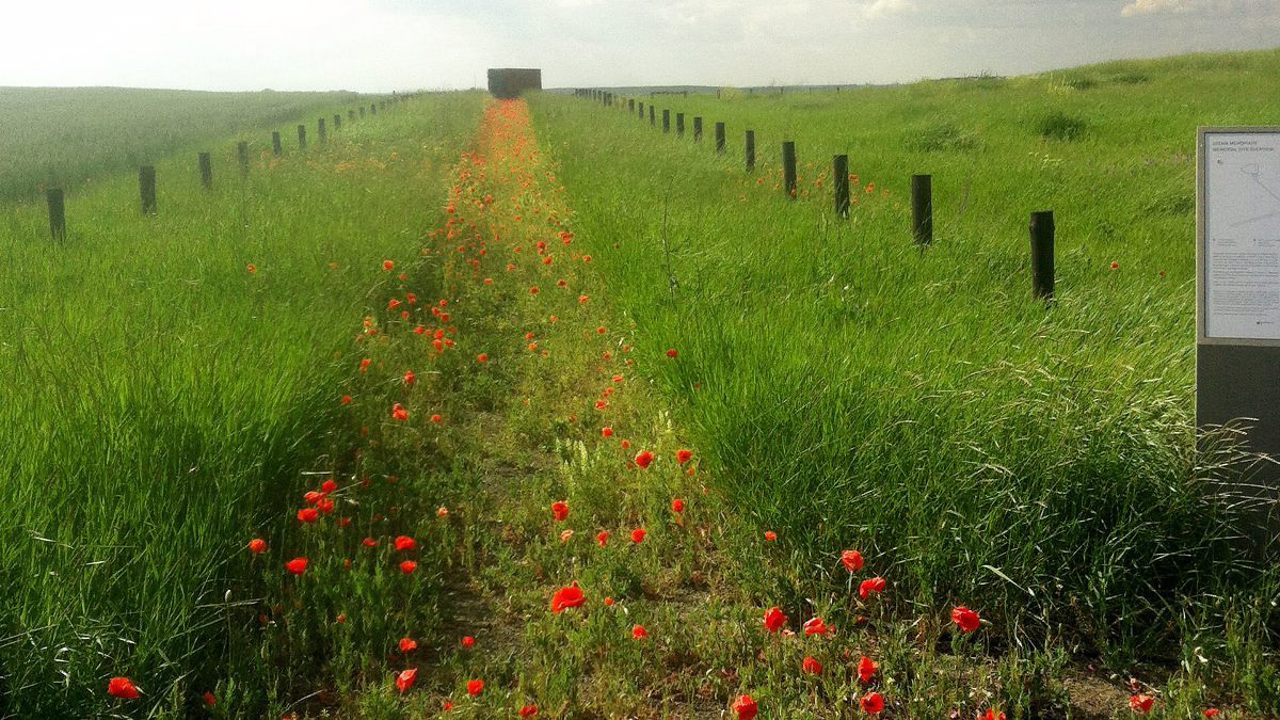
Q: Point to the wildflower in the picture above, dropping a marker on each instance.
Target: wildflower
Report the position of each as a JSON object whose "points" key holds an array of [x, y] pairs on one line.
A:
{"points": [[852, 560], [257, 546], [467, 642], [408, 566], [308, 515], [442, 511], [528, 711], [399, 412], [209, 699], [1141, 703], [408, 645], [965, 619], [872, 586], [409, 377], [475, 687], [639, 633], [1212, 712], [567, 597], [774, 619], [560, 510], [867, 669], [770, 536], [677, 505], [671, 353], [388, 265], [816, 626], [404, 679], [328, 486], [606, 432], [404, 542], [369, 542], [122, 687], [608, 602], [297, 566], [566, 535], [346, 399], [341, 619], [482, 358], [1115, 265], [437, 418], [446, 706], [637, 535], [811, 666], [683, 456], [872, 703], [364, 364], [991, 714], [602, 538], [744, 707], [644, 458]]}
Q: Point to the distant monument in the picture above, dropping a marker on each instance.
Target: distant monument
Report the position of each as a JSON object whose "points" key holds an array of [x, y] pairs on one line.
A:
{"points": [[508, 83]]}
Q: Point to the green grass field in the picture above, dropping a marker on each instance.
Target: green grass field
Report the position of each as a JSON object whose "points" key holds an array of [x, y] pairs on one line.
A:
{"points": [[180, 384], [1038, 460], [63, 136]]}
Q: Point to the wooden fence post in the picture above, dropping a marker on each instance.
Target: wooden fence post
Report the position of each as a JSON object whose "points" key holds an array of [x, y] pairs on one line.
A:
{"points": [[1042, 232], [652, 122], [337, 121], [147, 188], [719, 138], [679, 124], [666, 120], [302, 137], [276, 146], [922, 208], [351, 116], [206, 170], [697, 128], [361, 111], [242, 152], [840, 174], [321, 135], [789, 168], [751, 150], [57, 213]]}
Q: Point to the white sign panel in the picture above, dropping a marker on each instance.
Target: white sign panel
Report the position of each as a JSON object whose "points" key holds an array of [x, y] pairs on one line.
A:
{"points": [[1240, 235]]}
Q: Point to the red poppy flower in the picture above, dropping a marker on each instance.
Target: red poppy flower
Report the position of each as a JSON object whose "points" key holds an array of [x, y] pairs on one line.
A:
{"points": [[369, 542], [437, 418], [446, 706], [567, 597], [482, 357], [342, 618], [852, 560], [639, 633], [606, 432], [467, 642], [774, 619], [672, 353], [872, 703], [388, 265], [644, 458], [251, 268], [409, 377], [404, 542], [816, 626], [559, 510], [442, 511], [329, 486], [965, 619], [257, 546], [1141, 703], [364, 364], [308, 515], [626, 444], [683, 456], [867, 669], [608, 602], [1212, 713], [811, 666], [872, 586], [637, 535], [209, 699], [399, 413], [346, 399], [408, 566], [528, 711], [475, 687], [1115, 265], [744, 707], [602, 538], [677, 505], [408, 645], [991, 714], [122, 687], [405, 679], [770, 536]]}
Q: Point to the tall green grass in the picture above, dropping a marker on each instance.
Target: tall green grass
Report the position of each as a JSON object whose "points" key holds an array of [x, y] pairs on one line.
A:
{"points": [[161, 401], [1037, 463], [63, 136]]}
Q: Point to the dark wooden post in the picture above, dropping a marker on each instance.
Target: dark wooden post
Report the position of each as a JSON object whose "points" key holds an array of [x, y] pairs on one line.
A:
{"points": [[362, 111], [666, 120], [242, 152], [751, 150], [302, 137], [57, 213], [679, 124], [652, 122], [337, 121], [720, 138], [147, 188], [1042, 254], [840, 173], [789, 168], [641, 110], [631, 105], [922, 208], [697, 128], [276, 146], [351, 116], [320, 132], [373, 108], [206, 170]]}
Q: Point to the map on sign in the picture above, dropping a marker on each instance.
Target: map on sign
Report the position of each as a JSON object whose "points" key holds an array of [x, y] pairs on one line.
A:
{"points": [[1240, 255]]}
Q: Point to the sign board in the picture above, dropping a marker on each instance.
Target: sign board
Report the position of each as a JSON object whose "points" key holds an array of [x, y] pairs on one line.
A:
{"points": [[1238, 291], [1239, 236]]}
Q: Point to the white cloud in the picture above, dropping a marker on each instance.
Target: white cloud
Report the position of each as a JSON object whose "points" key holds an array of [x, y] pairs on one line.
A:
{"points": [[877, 8], [1150, 7]]}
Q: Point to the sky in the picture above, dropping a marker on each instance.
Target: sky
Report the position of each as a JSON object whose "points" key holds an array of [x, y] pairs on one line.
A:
{"points": [[384, 45]]}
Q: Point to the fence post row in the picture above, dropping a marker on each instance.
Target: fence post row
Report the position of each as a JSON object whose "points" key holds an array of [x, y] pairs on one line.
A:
{"points": [[57, 213], [1042, 254], [147, 188], [789, 168], [840, 173], [922, 208], [206, 171]]}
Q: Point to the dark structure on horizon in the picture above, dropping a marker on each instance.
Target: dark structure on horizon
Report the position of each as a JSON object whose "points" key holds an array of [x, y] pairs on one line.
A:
{"points": [[508, 83]]}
